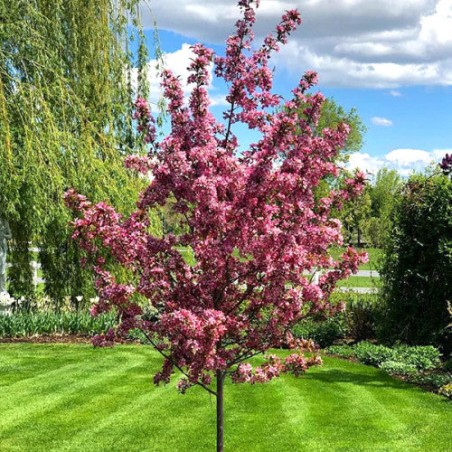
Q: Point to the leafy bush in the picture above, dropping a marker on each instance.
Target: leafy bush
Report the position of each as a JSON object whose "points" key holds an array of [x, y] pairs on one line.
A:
{"points": [[414, 363], [343, 351], [436, 380], [362, 314], [25, 324], [421, 357], [417, 268], [398, 368], [322, 332], [373, 355]]}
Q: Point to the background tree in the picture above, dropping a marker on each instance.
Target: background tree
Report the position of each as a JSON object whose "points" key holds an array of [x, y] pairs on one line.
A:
{"points": [[417, 269], [383, 192], [354, 215], [65, 103], [332, 115], [250, 218]]}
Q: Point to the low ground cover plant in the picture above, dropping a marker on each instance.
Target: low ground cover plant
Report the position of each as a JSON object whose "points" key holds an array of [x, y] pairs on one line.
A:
{"points": [[417, 364]]}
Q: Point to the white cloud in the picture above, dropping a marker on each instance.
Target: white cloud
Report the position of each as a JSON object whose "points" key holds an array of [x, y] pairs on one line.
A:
{"points": [[384, 122], [365, 162], [405, 161], [178, 62], [395, 93], [407, 157], [379, 43]]}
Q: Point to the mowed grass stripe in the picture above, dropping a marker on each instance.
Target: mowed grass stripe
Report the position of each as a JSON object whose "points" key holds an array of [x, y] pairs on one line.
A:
{"points": [[61, 388], [340, 406]]}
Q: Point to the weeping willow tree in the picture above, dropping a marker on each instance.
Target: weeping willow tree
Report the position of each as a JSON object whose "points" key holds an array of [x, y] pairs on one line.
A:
{"points": [[65, 121]]}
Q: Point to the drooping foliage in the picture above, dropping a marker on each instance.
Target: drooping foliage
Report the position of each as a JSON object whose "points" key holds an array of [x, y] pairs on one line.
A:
{"points": [[417, 270], [250, 220], [65, 121], [383, 193]]}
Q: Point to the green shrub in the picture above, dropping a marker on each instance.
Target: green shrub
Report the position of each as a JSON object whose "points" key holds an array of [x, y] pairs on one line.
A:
{"points": [[417, 267], [362, 314], [398, 368], [421, 357], [30, 324], [437, 380], [322, 332], [372, 354]]}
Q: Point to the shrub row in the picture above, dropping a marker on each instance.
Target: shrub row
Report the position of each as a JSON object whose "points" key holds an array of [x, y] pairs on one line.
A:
{"points": [[30, 324], [418, 364]]}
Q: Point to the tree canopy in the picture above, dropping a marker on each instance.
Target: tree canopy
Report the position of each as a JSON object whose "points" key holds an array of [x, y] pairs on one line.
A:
{"points": [[65, 103], [250, 219]]}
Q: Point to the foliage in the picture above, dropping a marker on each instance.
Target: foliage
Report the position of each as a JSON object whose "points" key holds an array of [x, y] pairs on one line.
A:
{"points": [[43, 323], [417, 269], [361, 316], [383, 192], [432, 379], [64, 121], [420, 357], [332, 115], [251, 219], [373, 355], [446, 390], [343, 351], [398, 368], [322, 332]]}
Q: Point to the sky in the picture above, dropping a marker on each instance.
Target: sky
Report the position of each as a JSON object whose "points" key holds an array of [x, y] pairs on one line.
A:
{"points": [[389, 59]]}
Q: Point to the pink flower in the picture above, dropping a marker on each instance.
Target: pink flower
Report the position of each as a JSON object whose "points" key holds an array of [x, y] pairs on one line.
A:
{"points": [[249, 220]]}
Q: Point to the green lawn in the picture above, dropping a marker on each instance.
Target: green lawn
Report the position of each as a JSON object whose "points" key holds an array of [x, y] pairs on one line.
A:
{"points": [[375, 254], [360, 281], [75, 398]]}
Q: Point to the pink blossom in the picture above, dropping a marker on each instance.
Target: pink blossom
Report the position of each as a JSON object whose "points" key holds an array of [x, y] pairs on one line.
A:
{"points": [[250, 218]]}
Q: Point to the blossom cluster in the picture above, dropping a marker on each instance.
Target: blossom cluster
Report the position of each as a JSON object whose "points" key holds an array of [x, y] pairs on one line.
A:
{"points": [[251, 219]]}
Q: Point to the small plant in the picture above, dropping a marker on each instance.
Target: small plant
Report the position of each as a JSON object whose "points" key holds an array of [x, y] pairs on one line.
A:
{"points": [[398, 368], [435, 380], [446, 390], [421, 357], [322, 332], [373, 355]]}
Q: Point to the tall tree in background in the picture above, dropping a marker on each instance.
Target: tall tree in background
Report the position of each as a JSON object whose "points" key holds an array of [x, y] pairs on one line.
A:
{"points": [[383, 192], [65, 103], [332, 115], [354, 216]]}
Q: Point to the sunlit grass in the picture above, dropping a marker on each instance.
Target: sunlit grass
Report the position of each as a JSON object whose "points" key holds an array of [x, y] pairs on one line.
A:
{"points": [[76, 398]]}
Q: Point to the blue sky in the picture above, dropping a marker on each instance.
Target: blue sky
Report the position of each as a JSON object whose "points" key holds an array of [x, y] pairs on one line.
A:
{"points": [[392, 61]]}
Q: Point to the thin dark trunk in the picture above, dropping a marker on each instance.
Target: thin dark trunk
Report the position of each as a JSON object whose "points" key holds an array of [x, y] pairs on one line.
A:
{"points": [[359, 237], [220, 415]]}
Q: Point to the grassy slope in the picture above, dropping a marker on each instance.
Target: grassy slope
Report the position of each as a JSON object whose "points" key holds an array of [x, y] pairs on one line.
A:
{"points": [[74, 398]]}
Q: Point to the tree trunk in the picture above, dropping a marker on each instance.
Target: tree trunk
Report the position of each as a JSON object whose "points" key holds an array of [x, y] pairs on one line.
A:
{"points": [[220, 415]]}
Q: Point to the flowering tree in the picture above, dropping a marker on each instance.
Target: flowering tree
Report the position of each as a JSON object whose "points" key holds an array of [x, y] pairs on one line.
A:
{"points": [[250, 218]]}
